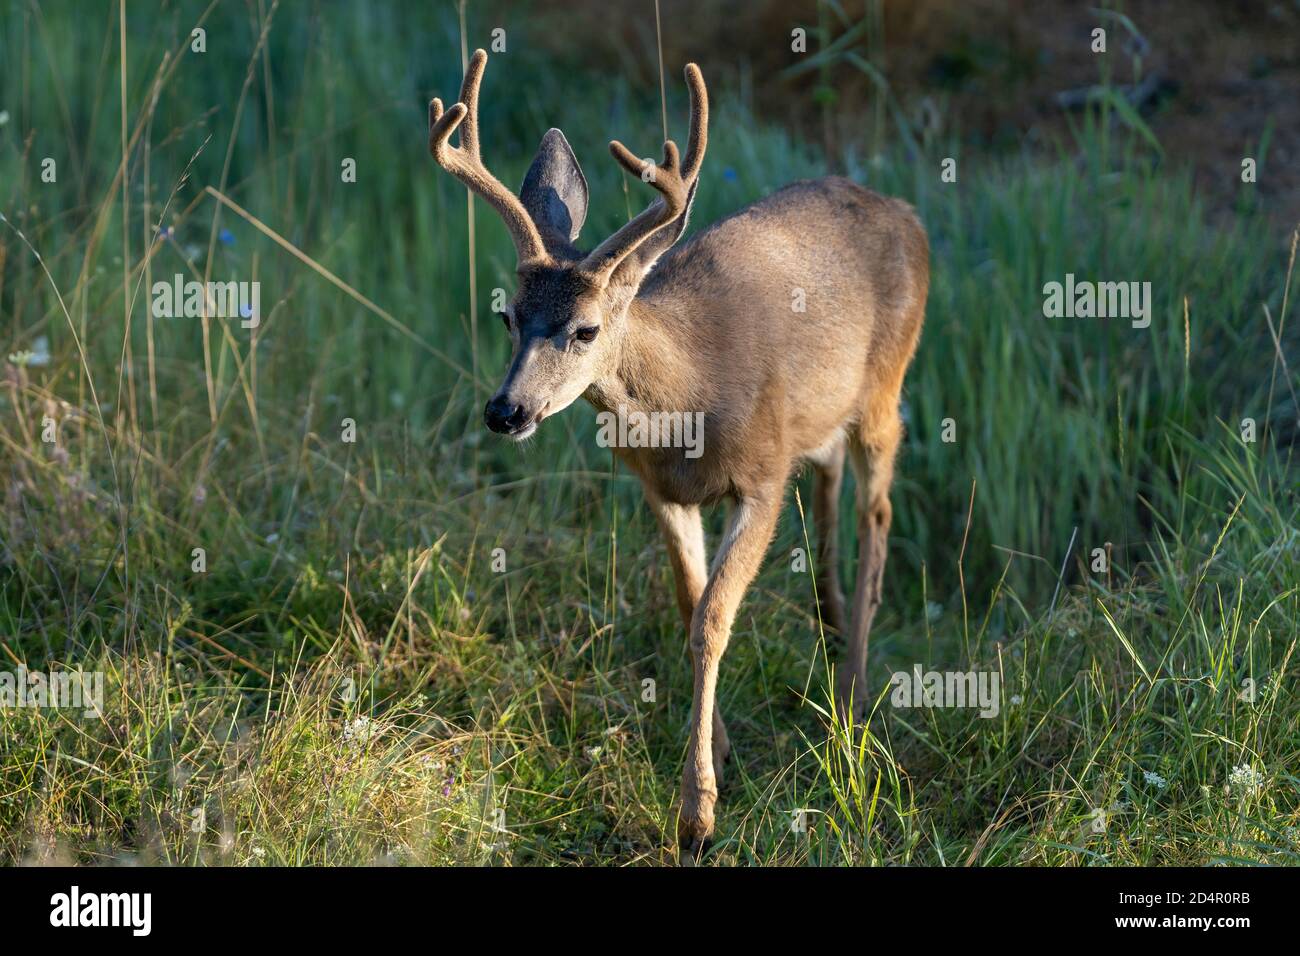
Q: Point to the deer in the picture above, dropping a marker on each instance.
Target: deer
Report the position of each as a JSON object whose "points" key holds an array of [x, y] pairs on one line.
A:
{"points": [[643, 323]]}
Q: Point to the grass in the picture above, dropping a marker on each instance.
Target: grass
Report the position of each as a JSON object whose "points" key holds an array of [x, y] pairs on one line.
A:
{"points": [[350, 681]]}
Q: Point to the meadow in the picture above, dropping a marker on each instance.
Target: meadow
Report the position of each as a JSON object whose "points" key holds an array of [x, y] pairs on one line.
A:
{"points": [[1105, 516]]}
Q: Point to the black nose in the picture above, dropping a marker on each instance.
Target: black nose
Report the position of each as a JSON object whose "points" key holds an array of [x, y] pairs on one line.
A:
{"points": [[502, 415]]}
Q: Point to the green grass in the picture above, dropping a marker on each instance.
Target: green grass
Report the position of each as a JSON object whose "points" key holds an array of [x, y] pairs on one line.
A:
{"points": [[353, 582]]}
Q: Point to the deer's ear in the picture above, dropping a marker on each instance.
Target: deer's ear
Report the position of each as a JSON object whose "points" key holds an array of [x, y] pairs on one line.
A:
{"points": [[635, 267], [555, 191]]}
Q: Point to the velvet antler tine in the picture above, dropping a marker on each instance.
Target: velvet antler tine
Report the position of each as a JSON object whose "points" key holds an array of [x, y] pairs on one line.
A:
{"points": [[466, 164], [698, 141], [671, 179]]}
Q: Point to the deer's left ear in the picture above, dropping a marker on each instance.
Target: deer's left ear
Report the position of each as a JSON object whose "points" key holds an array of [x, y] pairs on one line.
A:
{"points": [[555, 191]]}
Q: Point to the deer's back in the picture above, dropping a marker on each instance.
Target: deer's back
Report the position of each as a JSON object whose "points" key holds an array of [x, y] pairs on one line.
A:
{"points": [[810, 299]]}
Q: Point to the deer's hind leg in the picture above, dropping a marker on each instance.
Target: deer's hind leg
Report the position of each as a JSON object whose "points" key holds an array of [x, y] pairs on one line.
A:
{"points": [[828, 479], [873, 445]]}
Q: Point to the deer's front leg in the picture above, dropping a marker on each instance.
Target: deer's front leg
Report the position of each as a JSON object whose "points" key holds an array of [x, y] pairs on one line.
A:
{"points": [[683, 533], [748, 531]]}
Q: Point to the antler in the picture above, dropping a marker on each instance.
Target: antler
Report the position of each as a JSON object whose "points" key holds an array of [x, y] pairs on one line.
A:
{"points": [[672, 178], [465, 163]]}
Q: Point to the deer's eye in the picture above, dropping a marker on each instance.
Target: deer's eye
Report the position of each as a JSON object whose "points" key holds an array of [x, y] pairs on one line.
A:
{"points": [[587, 334]]}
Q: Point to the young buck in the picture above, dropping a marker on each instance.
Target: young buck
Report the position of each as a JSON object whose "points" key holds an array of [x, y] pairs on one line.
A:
{"points": [[789, 324]]}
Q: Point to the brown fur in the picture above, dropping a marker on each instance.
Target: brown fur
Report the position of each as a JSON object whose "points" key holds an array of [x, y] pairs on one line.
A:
{"points": [[710, 327]]}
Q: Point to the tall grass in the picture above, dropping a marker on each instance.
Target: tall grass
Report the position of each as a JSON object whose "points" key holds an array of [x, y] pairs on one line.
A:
{"points": [[350, 681]]}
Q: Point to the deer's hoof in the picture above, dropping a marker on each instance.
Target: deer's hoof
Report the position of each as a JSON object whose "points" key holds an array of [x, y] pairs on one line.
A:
{"points": [[693, 854], [695, 826]]}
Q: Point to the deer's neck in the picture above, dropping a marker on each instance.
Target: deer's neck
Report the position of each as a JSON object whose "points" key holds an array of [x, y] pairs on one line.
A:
{"points": [[658, 367]]}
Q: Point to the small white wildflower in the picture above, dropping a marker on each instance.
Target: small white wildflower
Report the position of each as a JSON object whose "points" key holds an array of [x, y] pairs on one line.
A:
{"points": [[359, 732], [4, 117], [1155, 779], [593, 753], [396, 855], [35, 357], [259, 852], [1246, 780], [1016, 700], [933, 611]]}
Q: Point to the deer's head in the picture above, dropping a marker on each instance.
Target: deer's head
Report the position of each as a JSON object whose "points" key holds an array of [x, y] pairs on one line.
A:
{"points": [[569, 311]]}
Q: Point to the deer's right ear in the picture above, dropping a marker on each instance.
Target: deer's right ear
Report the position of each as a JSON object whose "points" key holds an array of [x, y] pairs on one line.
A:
{"points": [[555, 191]]}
